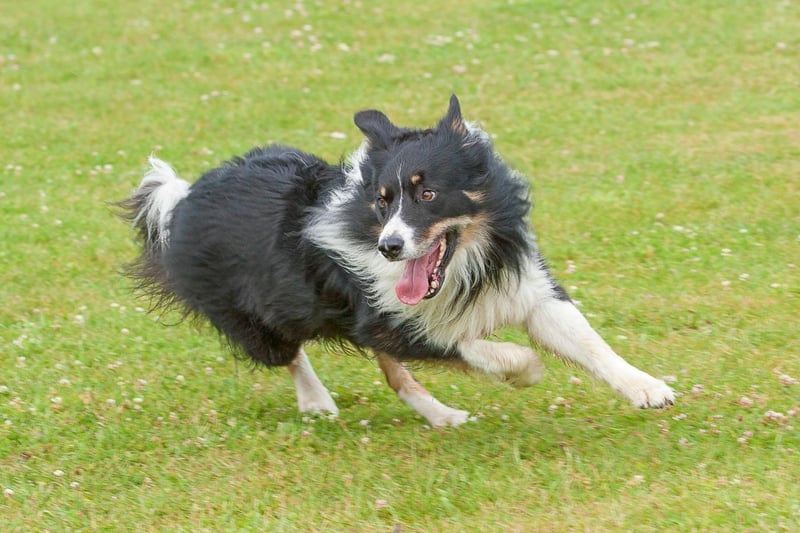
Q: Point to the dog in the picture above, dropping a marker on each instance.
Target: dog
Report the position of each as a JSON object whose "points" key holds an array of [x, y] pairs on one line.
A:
{"points": [[415, 248]]}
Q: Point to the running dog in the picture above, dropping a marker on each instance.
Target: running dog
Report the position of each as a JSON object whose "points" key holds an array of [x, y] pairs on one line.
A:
{"points": [[416, 247]]}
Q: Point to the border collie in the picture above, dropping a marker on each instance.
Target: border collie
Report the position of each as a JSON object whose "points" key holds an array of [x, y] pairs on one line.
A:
{"points": [[416, 248]]}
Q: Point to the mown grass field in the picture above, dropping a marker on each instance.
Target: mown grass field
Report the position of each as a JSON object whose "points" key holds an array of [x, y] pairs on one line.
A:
{"points": [[663, 143]]}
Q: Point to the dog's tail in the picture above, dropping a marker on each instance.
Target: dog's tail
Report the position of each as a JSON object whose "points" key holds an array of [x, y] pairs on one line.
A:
{"points": [[149, 210]]}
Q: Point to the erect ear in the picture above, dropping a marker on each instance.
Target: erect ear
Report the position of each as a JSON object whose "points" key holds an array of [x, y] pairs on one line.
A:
{"points": [[376, 126], [453, 120]]}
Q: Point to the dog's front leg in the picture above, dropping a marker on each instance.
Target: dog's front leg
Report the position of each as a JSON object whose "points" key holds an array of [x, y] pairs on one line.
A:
{"points": [[517, 365], [416, 396], [560, 327]]}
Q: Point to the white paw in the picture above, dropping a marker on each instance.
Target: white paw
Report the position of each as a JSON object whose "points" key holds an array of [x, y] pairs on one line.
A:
{"points": [[448, 417], [532, 371], [435, 412], [318, 403], [645, 391]]}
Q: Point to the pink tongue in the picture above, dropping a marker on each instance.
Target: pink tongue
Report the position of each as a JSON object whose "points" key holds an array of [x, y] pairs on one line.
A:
{"points": [[413, 284]]}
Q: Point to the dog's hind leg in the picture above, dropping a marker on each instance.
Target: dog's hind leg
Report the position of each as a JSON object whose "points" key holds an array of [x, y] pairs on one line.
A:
{"points": [[559, 326], [312, 396], [518, 365], [416, 396]]}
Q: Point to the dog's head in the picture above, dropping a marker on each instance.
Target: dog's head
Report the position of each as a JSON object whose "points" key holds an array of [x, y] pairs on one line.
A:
{"points": [[428, 188]]}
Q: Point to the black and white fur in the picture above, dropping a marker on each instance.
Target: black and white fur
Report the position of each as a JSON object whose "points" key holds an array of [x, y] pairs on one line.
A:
{"points": [[416, 248]]}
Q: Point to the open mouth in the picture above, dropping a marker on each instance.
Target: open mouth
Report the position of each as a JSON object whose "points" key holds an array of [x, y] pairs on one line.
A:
{"points": [[423, 277]]}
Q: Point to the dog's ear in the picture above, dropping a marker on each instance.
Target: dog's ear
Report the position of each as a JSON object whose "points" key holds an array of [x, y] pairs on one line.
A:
{"points": [[453, 119], [376, 126]]}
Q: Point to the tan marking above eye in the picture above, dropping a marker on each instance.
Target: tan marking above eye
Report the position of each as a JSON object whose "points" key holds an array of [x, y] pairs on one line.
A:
{"points": [[416, 179], [383, 191]]}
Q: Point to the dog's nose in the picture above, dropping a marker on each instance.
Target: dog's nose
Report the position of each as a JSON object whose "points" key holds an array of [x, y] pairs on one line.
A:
{"points": [[391, 247]]}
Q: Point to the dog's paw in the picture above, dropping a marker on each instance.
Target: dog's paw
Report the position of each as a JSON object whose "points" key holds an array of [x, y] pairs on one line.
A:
{"points": [[531, 372], [318, 403], [645, 391], [435, 412], [447, 416]]}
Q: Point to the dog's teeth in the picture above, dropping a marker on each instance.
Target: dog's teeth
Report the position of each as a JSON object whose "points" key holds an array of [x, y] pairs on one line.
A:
{"points": [[435, 284]]}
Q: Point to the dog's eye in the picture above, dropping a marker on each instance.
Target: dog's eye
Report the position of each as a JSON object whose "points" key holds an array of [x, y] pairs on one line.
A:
{"points": [[381, 202], [427, 195]]}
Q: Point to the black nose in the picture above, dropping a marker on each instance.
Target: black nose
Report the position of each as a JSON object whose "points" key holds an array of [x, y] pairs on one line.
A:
{"points": [[391, 247]]}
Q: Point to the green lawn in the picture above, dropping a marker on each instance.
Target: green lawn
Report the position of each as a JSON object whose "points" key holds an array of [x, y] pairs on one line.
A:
{"points": [[663, 143]]}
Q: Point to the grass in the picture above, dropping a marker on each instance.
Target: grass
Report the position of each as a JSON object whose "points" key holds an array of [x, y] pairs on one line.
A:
{"points": [[662, 141]]}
